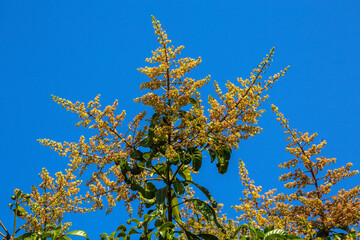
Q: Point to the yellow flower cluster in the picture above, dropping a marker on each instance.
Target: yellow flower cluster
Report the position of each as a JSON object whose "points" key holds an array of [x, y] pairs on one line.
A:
{"points": [[311, 208]]}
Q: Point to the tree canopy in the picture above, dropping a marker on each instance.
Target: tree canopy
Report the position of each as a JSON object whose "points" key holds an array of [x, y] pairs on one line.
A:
{"points": [[150, 162]]}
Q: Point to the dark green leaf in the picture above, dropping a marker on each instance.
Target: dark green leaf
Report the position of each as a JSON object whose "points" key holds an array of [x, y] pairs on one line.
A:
{"points": [[191, 236], [212, 154], [121, 228], [207, 211], [160, 199], [223, 157], [206, 192], [136, 154], [135, 185], [136, 170], [193, 102], [146, 142], [196, 156], [150, 190], [178, 186]]}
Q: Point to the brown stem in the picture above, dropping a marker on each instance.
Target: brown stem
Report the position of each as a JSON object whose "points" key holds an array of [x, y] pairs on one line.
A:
{"points": [[2, 225]]}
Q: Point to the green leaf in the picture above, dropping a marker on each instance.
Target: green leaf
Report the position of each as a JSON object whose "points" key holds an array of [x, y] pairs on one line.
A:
{"points": [[185, 156], [121, 228], [124, 166], [137, 169], [269, 228], [20, 211], [150, 190], [160, 199], [185, 173], [207, 211], [147, 155], [175, 209], [246, 226], [196, 156], [146, 142], [193, 101], [212, 154], [206, 192], [135, 185], [133, 220], [166, 226], [161, 168], [223, 157], [25, 236], [57, 231], [191, 236], [276, 233], [136, 154], [178, 186], [132, 231], [78, 233]]}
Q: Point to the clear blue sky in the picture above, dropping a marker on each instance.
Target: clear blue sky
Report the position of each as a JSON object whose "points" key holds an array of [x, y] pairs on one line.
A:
{"points": [[78, 49]]}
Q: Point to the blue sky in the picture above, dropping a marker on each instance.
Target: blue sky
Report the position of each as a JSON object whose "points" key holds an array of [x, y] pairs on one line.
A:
{"points": [[78, 49]]}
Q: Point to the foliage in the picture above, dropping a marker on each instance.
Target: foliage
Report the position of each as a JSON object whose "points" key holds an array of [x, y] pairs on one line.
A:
{"points": [[152, 161]]}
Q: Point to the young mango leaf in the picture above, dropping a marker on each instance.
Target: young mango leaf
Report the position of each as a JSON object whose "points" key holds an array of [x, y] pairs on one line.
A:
{"points": [[275, 234], [166, 226], [185, 173], [129, 221], [165, 230], [78, 233], [175, 209], [19, 211]]}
